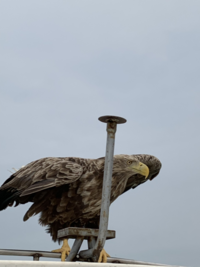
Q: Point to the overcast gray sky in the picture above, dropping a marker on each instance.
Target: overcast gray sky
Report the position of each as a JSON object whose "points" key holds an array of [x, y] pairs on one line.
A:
{"points": [[65, 63]]}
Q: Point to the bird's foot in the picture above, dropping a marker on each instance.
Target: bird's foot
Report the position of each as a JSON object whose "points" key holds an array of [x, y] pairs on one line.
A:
{"points": [[64, 250], [103, 256]]}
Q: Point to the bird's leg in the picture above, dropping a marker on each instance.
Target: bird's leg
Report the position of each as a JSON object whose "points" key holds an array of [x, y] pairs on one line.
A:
{"points": [[103, 256], [64, 250]]}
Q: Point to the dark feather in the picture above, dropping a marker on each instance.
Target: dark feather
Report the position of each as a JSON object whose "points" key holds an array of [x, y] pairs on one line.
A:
{"points": [[39, 186], [7, 197]]}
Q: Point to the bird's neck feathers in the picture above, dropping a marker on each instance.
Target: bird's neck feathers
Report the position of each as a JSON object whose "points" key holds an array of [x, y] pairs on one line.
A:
{"points": [[120, 175]]}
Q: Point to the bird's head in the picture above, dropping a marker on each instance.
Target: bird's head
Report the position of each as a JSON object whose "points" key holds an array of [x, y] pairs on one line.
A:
{"points": [[130, 165]]}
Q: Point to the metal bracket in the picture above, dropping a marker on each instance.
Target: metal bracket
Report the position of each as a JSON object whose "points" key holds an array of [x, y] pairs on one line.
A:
{"points": [[74, 232], [79, 234]]}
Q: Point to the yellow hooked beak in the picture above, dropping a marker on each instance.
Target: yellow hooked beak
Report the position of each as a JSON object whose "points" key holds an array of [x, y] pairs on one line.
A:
{"points": [[141, 168]]}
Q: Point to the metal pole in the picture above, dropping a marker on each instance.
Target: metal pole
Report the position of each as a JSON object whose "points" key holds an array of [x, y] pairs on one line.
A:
{"points": [[107, 180], [76, 246], [36, 257], [112, 122], [91, 242]]}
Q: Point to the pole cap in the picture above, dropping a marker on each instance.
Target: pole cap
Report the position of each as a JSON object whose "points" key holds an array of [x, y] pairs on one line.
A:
{"points": [[110, 118]]}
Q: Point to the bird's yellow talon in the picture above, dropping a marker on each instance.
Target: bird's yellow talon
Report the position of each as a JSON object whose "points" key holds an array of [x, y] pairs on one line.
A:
{"points": [[64, 250], [103, 256]]}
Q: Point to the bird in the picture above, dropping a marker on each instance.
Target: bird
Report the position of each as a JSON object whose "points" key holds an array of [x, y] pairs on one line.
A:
{"points": [[66, 191]]}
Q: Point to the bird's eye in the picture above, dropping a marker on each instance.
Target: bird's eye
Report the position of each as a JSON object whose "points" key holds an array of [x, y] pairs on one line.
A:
{"points": [[129, 162]]}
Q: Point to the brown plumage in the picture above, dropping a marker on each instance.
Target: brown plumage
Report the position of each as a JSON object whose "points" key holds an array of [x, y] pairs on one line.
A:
{"points": [[67, 191]]}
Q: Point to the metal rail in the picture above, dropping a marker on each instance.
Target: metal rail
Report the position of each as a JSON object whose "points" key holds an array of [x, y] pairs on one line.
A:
{"points": [[32, 253], [37, 254]]}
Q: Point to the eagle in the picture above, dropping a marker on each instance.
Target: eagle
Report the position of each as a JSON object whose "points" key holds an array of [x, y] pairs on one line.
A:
{"points": [[66, 191]]}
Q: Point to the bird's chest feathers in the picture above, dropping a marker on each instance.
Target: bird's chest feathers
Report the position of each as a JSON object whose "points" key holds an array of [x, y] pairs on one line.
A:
{"points": [[119, 182], [90, 189]]}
